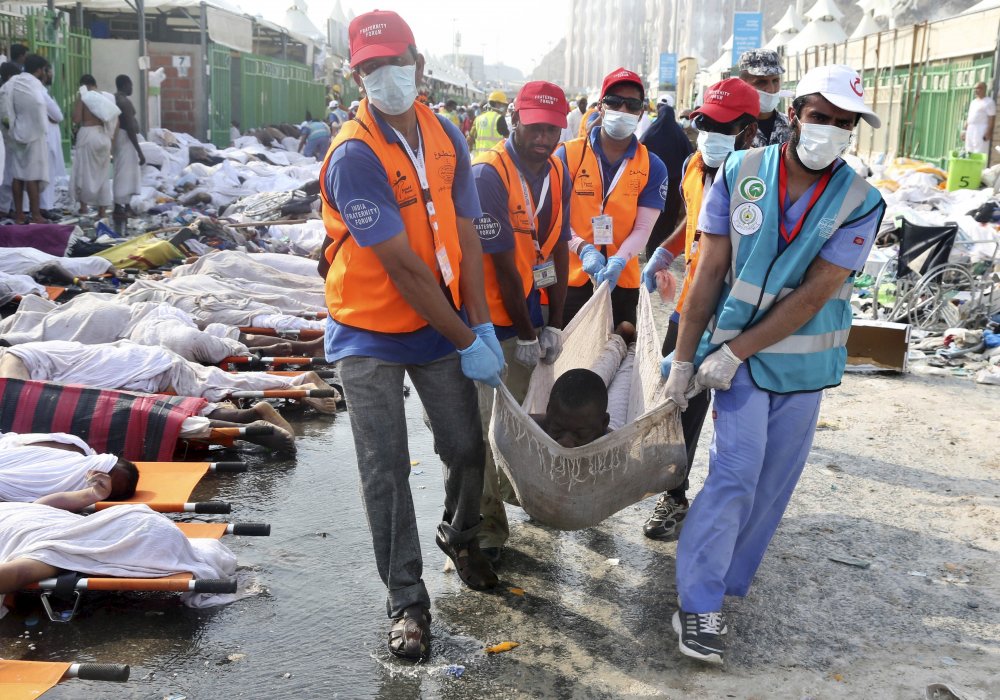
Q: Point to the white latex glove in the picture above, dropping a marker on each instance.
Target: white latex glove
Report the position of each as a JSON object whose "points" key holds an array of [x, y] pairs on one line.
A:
{"points": [[528, 352], [718, 369], [550, 340], [679, 378]]}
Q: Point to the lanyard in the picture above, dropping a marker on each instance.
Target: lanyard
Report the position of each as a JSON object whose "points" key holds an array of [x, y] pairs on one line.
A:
{"points": [[417, 159], [614, 180], [532, 212], [782, 187]]}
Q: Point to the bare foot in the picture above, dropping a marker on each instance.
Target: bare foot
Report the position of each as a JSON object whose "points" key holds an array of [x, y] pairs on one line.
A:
{"points": [[279, 440], [267, 413], [323, 405]]}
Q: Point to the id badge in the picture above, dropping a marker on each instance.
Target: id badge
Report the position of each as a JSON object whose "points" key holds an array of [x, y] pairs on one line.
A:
{"points": [[445, 265], [604, 232], [544, 274]]}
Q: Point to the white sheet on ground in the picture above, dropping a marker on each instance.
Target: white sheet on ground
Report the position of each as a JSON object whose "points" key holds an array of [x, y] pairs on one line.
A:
{"points": [[20, 261], [18, 285], [292, 264], [125, 541], [30, 471], [131, 367], [242, 270]]}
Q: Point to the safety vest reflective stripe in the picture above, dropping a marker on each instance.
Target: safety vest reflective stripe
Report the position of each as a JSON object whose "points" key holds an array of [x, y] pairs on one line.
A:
{"points": [[805, 344]]}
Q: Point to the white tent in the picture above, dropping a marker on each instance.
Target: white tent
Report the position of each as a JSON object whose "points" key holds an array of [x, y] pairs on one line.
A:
{"points": [[823, 28], [785, 29], [296, 21], [867, 25], [824, 10], [982, 6]]}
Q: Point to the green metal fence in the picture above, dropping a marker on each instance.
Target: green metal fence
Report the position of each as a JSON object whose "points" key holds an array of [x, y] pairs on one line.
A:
{"points": [[274, 91], [220, 106], [939, 103]]}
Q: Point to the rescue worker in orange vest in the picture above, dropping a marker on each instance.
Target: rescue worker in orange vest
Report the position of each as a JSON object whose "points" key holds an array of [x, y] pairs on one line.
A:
{"points": [[404, 283], [619, 188], [524, 230], [726, 122]]}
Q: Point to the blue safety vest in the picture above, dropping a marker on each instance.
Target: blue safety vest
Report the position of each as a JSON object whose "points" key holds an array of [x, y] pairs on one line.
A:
{"points": [[814, 356]]}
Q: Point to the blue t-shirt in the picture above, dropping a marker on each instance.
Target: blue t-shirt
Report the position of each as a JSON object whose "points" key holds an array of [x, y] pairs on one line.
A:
{"points": [[653, 195], [355, 174], [495, 231], [848, 247]]}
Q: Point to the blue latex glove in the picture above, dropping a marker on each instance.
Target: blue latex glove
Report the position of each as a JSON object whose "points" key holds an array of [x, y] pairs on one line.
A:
{"points": [[591, 259], [665, 365], [480, 364], [488, 334], [611, 272], [659, 260]]}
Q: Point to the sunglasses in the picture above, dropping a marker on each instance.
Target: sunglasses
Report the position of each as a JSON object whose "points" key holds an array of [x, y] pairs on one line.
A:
{"points": [[632, 104]]}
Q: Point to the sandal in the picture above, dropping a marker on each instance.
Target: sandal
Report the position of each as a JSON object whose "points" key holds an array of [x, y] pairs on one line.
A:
{"points": [[410, 635], [472, 565]]}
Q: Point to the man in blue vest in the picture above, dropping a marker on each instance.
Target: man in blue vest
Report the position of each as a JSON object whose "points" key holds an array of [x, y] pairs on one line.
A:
{"points": [[765, 325]]}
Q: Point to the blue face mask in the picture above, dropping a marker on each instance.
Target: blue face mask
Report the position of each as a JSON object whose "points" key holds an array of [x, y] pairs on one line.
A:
{"points": [[715, 147]]}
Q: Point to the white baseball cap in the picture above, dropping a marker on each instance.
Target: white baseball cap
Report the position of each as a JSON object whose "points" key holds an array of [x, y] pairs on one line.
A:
{"points": [[842, 87]]}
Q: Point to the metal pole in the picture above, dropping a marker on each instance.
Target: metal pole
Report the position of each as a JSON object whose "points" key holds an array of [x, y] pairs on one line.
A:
{"points": [[206, 73], [140, 6], [79, 15]]}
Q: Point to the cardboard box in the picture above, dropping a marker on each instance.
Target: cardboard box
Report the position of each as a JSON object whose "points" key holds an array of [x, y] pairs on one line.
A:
{"points": [[878, 345]]}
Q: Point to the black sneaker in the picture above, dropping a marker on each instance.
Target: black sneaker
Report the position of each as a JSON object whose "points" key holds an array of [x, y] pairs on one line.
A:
{"points": [[667, 518], [699, 635]]}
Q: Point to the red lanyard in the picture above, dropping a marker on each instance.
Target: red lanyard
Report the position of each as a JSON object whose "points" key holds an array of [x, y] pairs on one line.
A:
{"points": [[782, 187]]}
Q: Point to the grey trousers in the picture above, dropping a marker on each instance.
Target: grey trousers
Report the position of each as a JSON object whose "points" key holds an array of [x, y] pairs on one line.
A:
{"points": [[373, 389], [497, 489]]}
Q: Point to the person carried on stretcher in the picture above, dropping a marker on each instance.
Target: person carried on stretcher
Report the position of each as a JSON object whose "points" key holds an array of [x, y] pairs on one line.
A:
{"points": [[577, 411], [61, 470]]}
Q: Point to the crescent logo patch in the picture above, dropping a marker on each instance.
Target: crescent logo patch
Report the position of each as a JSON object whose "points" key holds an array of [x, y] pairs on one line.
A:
{"points": [[856, 87], [752, 189]]}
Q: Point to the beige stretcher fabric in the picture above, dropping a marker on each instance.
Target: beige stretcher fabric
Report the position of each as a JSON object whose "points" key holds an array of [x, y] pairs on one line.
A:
{"points": [[575, 488]]}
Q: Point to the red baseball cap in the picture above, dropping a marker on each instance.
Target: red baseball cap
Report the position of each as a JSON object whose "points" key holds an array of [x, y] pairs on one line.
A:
{"points": [[378, 34], [622, 75], [728, 100], [540, 102]]}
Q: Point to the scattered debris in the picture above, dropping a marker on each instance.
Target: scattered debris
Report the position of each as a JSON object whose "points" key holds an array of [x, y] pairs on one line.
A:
{"points": [[502, 647]]}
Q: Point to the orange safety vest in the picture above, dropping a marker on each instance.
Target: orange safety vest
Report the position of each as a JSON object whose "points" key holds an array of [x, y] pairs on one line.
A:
{"points": [[693, 188], [582, 131], [622, 206], [359, 292], [524, 245]]}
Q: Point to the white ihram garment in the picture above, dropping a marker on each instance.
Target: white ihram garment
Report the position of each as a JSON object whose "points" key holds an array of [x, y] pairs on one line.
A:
{"points": [[29, 471], [128, 541]]}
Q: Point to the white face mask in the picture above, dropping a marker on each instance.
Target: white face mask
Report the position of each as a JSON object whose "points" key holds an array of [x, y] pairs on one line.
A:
{"points": [[768, 101], [392, 89], [619, 125], [819, 144], [715, 147]]}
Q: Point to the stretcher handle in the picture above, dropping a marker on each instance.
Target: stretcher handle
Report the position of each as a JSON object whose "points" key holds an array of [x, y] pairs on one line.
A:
{"points": [[251, 529], [294, 360], [213, 508], [323, 394], [117, 673], [228, 467], [257, 430], [214, 585]]}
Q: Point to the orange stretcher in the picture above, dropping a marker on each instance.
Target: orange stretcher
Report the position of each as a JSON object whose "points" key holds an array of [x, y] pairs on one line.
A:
{"points": [[71, 584], [26, 680], [166, 487], [253, 362], [300, 334]]}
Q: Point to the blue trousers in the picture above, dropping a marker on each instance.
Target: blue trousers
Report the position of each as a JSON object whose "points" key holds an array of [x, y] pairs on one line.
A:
{"points": [[760, 447]]}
